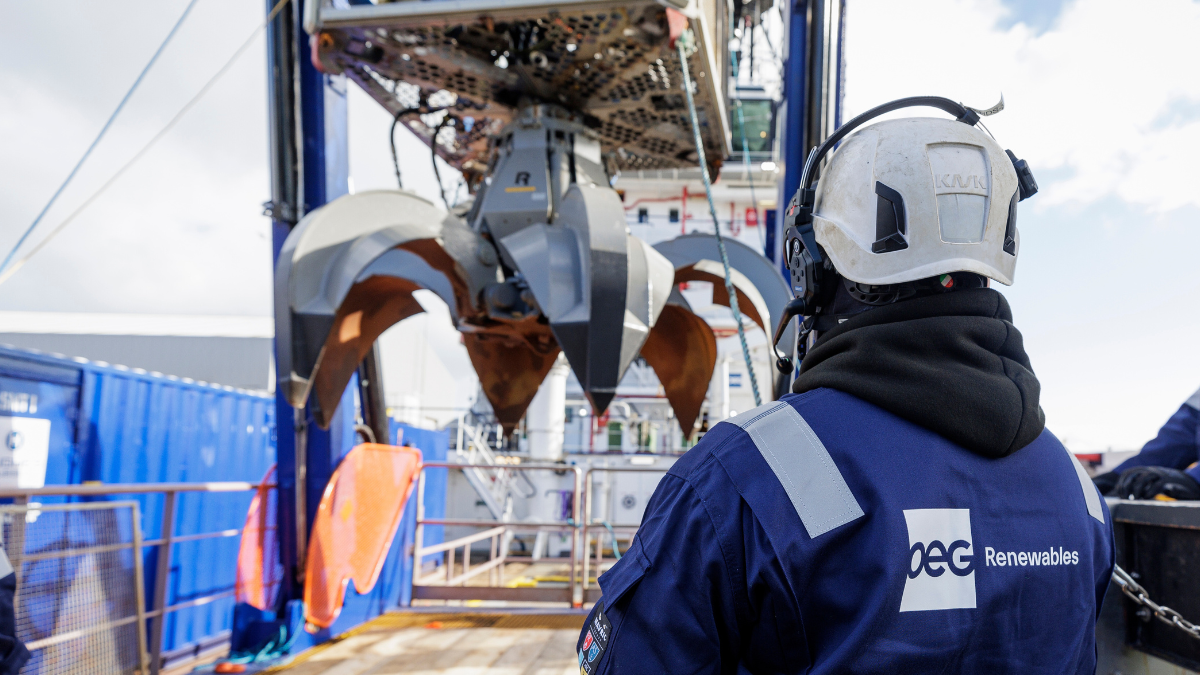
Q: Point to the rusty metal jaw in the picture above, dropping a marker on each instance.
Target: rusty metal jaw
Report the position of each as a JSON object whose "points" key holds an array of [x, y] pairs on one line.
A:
{"points": [[347, 272], [543, 263]]}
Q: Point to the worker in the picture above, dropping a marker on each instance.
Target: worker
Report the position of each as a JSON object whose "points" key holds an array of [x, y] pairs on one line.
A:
{"points": [[1166, 466], [903, 510], [13, 653]]}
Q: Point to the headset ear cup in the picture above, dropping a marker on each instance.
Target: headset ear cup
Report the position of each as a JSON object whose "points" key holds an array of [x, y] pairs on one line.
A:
{"points": [[1026, 184]]}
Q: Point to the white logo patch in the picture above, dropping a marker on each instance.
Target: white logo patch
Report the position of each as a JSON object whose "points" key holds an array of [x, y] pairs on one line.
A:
{"points": [[941, 560]]}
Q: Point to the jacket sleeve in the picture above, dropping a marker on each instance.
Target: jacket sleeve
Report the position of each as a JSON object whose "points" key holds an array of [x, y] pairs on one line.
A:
{"points": [[1174, 447], [667, 605], [13, 653]]}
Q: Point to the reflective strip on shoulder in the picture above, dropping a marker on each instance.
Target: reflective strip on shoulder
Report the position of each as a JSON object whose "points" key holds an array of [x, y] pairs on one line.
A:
{"points": [[1090, 494], [803, 466], [1194, 401]]}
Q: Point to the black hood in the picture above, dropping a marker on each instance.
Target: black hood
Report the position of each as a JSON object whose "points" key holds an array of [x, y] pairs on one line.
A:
{"points": [[952, 363]]}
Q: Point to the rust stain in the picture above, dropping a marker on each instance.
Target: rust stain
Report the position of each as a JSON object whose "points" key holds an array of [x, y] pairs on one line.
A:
{"points": [[371, 307], [682, 350], [431, 251], [721, 294], [512, 361]]}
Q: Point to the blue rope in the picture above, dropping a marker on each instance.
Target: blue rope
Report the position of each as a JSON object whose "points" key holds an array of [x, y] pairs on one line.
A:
{"points": [[275, 648], [99, 136], [616, 551], [729, 288]]}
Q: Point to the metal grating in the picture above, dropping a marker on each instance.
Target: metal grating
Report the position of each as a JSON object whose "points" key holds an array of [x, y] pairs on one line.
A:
{"points": [[611, 61], [79, 601]]}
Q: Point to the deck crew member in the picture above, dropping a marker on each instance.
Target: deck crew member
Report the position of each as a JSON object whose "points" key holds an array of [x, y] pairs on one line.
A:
{"points": [[13, 653], [1167, 466], [904, 510]]}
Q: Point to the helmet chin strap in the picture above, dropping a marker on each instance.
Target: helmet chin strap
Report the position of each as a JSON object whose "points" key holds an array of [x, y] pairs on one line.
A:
{"points": [[813, 275]]}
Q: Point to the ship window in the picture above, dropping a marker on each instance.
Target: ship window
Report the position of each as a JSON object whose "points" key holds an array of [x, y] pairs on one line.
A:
{"points": [[758, 115]]}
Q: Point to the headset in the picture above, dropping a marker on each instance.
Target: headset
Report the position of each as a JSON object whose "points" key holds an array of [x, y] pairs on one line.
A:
{"points": [[813, 275]]}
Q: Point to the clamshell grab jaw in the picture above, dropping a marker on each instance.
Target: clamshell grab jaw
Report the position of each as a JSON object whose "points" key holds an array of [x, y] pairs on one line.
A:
{"points": [[347, 272]]}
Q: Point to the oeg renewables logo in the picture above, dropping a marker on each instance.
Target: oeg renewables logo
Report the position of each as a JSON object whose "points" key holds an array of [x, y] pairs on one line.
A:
{"points": [[941, 565], [942, 560]]}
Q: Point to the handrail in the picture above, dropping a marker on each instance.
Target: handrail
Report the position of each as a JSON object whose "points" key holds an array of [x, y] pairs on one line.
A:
{"points": [[474, 447], [573, 524], [218, 534], [19, 558], [581, 522], [589, 522], [132, 488], [519, 467], [514, 525], [167, 539], [470, 539]]}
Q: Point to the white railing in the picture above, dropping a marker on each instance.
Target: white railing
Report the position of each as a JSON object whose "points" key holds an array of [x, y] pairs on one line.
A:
{"points": [[495, 560], [451, 584], [450, 581], [493, 480]]}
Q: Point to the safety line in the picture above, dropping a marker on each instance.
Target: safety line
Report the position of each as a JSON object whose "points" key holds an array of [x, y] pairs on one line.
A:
{"points": [[96, 141], [762, 242], [733, 300], [8, 273]]}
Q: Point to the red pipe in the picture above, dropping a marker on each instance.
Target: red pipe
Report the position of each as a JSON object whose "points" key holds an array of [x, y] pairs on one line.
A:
{"points": [[650, 200], [683, 213]]}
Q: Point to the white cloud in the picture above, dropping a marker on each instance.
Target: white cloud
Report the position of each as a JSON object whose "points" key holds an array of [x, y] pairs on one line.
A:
{"points": [[181, 232], [1083, 98], [1106, 108]]}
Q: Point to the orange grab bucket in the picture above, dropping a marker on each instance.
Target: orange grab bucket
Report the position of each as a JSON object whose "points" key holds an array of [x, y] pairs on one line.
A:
{"points": [[258, 569], [355, 525]]}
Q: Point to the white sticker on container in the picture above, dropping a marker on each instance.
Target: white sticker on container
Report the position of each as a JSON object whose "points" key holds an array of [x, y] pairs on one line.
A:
{"points": [[24, 448]]}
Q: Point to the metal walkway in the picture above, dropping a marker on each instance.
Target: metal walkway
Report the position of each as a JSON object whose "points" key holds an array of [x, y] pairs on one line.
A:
{"points": [[461, 643]]}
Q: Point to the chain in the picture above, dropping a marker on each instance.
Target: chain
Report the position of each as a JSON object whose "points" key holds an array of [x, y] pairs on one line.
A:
{"points": [[1134, 591]]}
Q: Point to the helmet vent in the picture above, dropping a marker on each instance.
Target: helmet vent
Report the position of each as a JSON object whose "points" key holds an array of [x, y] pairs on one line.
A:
{"points": [[890, 226]]}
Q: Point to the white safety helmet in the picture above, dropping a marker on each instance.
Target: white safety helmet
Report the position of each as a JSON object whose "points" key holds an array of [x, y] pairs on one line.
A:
{"points": [[901, 201], [915, 198]]}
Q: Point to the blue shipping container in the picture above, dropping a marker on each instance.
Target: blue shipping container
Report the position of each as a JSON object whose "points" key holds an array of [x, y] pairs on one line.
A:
{"points": [[116, 425]]}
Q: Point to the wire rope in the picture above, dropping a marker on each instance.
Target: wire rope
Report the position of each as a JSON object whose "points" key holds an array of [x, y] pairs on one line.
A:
{"points": [[8, 273], [103, 131], [733, 299]]}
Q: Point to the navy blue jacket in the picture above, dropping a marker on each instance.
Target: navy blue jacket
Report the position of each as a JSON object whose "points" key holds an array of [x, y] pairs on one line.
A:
{"points": [[1177, 444], [822, 534]]}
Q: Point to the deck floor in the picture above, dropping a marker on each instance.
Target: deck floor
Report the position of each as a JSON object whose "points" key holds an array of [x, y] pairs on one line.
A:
{"points": [[518, 572], [451, 643]]}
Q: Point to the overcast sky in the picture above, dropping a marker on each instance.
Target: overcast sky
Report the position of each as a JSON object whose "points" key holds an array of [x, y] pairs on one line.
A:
{"points": [[1103, 102]]}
